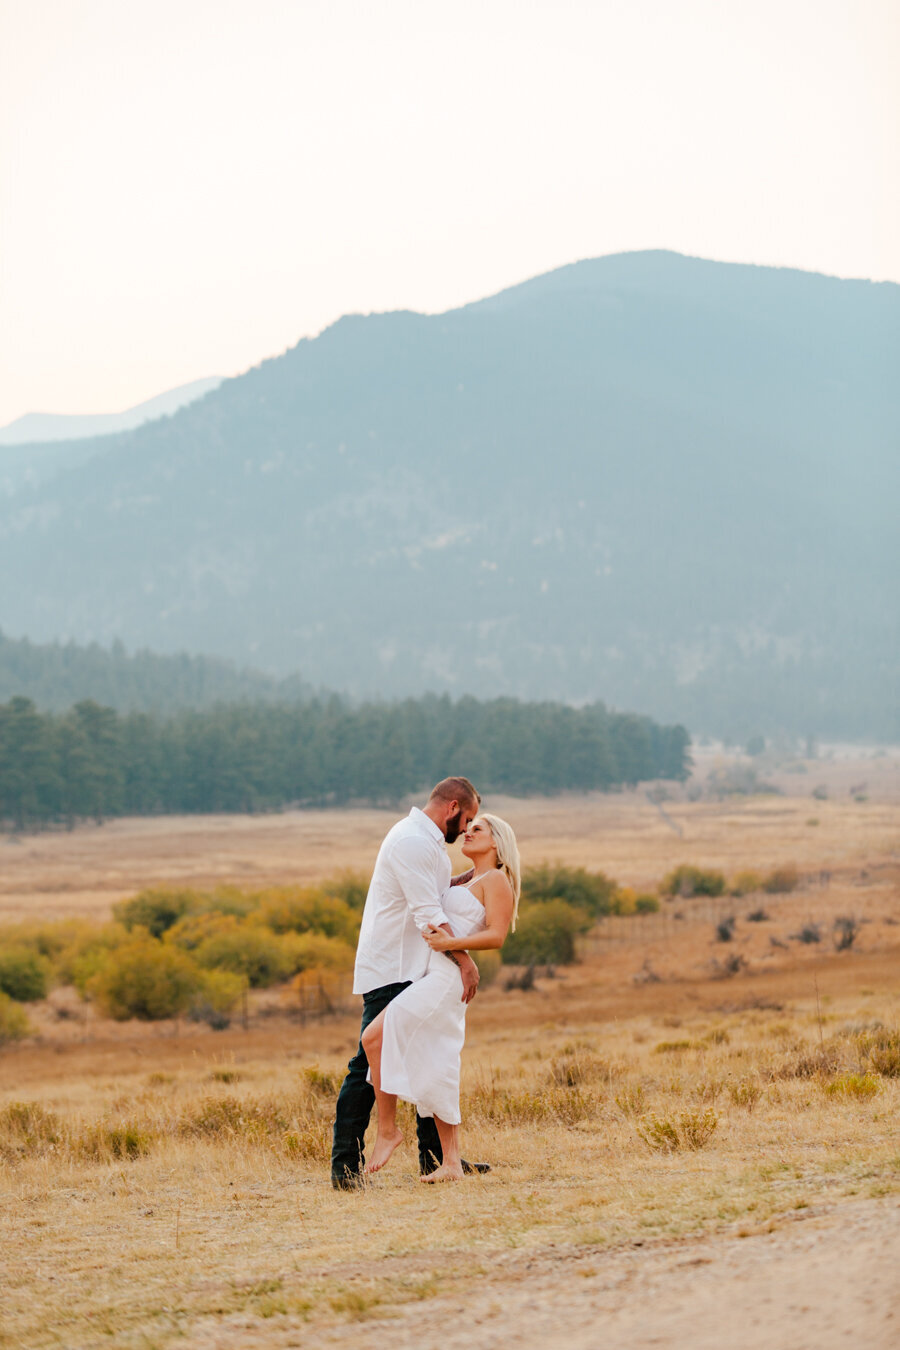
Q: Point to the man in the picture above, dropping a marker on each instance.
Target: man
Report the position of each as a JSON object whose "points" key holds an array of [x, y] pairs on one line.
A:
{"points": [[411, 872]]}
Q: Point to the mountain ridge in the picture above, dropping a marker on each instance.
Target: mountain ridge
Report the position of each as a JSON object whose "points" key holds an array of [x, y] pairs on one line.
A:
{"points": [[44, 428], [617, 492]]}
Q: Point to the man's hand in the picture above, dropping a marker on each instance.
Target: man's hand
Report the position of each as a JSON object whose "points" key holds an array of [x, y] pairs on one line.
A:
{"points": [[436, 939], [470, 975], [463, 878]]}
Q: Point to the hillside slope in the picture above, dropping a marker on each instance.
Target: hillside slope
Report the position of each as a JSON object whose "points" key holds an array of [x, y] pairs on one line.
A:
{"points": [[664, 482]]}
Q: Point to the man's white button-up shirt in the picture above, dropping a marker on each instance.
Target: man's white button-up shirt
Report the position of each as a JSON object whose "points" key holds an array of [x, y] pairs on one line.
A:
{"points": [[412, 871]]}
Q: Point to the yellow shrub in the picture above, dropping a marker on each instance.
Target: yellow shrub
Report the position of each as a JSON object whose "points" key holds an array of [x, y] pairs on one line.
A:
{"points": [[191, 931], [624, 901], [14, 1023], [304, 909], [488, 963], [145, 979], [746, 883], [852, 1085], [85, 952], [221, 989], [782, 879], [305, 950]]}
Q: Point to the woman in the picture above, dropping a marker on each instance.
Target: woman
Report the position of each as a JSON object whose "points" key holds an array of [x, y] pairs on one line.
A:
{"points": [[413, 1047]]}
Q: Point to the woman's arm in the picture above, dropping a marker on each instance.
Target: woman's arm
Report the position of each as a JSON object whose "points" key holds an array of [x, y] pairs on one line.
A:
{"points": [[498, 909]]}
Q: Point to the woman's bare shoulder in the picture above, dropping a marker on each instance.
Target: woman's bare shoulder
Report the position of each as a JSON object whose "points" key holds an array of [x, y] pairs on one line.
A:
{"points": [[496, 885]]}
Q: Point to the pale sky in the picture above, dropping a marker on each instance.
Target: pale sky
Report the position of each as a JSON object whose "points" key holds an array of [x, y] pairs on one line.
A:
{"points": [[189, 186]]}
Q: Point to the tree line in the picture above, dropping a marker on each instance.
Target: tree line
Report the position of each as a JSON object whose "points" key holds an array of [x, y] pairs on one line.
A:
{"points": [[92, 762], [57, 675]]}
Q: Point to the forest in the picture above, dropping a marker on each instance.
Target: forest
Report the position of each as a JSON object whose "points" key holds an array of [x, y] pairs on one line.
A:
{"points": [[92, 762], [59, 674]]}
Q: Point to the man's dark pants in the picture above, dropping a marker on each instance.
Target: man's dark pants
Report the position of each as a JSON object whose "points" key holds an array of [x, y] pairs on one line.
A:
{"points": [[356, 1099]]}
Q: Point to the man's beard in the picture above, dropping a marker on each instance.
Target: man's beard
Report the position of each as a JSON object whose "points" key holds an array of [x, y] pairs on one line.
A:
{"points": [[451, 828]]}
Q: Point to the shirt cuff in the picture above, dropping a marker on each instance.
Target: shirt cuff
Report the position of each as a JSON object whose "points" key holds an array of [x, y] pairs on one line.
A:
{"points": [[431, 921]]}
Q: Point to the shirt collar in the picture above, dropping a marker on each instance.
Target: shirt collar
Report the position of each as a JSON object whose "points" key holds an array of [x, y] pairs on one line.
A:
{"points": [[421, 819]]}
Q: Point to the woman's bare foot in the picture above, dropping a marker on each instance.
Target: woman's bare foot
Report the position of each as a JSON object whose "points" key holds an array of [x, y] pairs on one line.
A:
{"points": [[446, 1172], [384, 1147]]}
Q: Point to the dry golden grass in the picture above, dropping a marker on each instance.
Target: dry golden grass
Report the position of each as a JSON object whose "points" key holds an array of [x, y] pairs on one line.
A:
{"points": [[86, 871], [143, 1204], [159, 1185]]}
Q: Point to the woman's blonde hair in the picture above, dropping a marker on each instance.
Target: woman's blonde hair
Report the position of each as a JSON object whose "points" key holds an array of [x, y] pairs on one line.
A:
{"points": [[507, 857]]}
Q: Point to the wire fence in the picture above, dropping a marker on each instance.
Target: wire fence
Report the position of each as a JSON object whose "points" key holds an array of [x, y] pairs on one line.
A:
{"points": [[680, 913], [315, 994]]}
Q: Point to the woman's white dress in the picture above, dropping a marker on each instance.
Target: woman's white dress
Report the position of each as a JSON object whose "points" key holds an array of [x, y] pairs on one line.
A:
{"points": [[425, 1026]]}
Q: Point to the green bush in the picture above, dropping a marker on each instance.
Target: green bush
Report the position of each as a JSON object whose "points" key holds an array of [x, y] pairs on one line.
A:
{"points": [[224, 900], [351, 887], [627, 901], [687, 880], [593, 892], [156, 909], [246, 949], [14, 1023], [545, 934], [85, 953], [145, 979], [24, 973]]}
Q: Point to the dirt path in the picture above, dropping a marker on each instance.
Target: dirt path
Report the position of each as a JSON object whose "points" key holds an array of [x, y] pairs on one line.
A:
{"points": [[827, 1282]]}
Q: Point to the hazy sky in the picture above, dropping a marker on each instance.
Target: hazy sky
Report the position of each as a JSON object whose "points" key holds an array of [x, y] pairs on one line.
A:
{"points": [[188, 186]]}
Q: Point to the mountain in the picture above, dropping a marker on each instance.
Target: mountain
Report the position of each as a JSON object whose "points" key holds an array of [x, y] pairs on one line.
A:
{"points": [[657, 480], [55, 676], [46, 427], [35, 447]]}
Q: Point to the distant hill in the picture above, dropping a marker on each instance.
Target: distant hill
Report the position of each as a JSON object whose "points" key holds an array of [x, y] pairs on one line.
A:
{"points": [[78, 426], [56, 676], [37, 446], [660, 481]]}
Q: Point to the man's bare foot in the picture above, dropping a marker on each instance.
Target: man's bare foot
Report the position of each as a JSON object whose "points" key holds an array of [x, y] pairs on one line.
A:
{"points": [[384, 1147], [446, 1172]]}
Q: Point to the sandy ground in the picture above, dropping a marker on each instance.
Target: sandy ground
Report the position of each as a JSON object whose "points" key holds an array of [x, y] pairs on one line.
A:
{"points": [[825, 1282]]}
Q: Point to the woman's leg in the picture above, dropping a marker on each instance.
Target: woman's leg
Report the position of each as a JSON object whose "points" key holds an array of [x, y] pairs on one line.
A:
{"points": [[451, 1168], [388, 1136]]}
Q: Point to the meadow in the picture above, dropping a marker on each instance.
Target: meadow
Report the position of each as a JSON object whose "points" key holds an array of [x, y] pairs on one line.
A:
{"points": [[655, 1115]]}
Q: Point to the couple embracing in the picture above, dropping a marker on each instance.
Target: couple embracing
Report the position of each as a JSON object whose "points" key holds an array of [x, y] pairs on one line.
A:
{"points": [[416, 977]]}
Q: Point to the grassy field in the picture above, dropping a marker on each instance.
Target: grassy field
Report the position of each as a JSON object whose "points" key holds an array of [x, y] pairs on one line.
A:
{"points": [[161, 1186], [55, 875]]}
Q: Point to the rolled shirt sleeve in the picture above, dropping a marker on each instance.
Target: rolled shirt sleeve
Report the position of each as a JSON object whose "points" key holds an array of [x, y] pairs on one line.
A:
{"points": [[413, 864]]}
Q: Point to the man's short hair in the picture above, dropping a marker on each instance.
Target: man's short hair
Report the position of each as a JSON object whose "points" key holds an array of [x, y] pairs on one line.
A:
{"points": [[456, 790]]}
